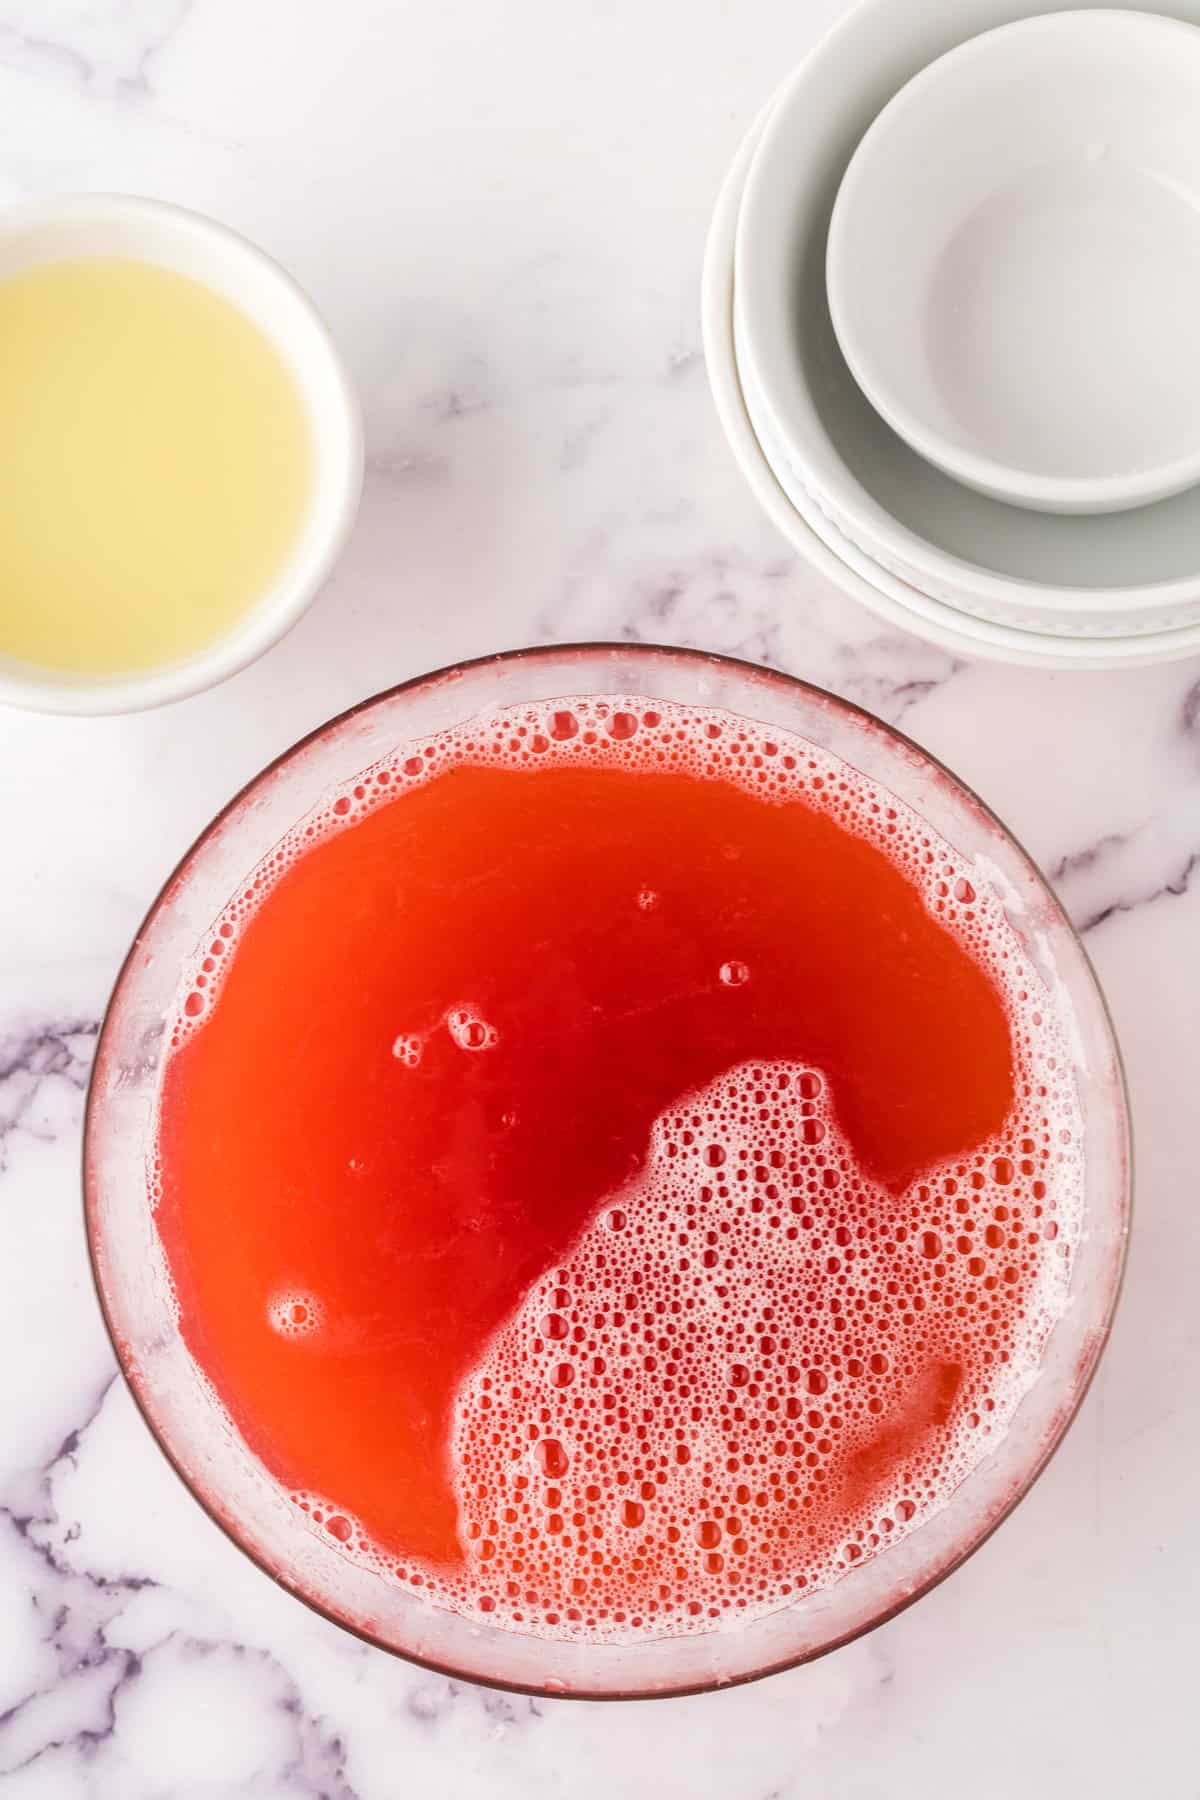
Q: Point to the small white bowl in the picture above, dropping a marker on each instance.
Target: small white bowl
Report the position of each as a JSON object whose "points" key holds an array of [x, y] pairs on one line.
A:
{"points": [[1116, 575], [817, 540], [1014, 261], [53, 230]]}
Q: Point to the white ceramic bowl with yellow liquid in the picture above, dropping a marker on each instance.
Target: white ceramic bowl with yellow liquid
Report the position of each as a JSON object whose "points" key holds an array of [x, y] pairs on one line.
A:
{"points": [[290, 510]]}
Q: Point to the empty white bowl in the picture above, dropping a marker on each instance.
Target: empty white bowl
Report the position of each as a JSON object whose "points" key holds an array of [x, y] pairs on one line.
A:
{"points": [[817, 540], [1119, 575], [84, 225], [1014, 261]]}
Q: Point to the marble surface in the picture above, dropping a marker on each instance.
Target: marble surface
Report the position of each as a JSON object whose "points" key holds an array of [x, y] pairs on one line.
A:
{"points": [[501, 208]]}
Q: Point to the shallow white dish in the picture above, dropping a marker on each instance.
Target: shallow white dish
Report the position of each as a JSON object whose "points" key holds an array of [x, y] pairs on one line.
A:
{"points": [[1120, 574], [819, 542], [1013, 262], [45, 231]]}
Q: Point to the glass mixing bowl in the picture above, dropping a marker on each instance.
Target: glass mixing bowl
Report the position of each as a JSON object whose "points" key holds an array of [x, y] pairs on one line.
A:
{"points": [[179, 1406]]}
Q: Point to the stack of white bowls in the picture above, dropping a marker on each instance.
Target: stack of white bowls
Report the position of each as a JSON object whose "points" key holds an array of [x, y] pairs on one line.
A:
{"points": [[952, 323]]}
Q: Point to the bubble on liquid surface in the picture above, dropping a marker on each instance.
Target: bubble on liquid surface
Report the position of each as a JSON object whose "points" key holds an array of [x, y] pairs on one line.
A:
{"points": [[734, 973], [469, 1030], [293, 1314], [408, 1048]]}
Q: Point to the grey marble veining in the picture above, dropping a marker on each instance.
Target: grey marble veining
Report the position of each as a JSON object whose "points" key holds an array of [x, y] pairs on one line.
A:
{"points": [[501, 211]]}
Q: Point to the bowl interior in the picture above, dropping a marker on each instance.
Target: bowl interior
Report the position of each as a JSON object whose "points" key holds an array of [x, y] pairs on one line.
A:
{"points": [[899, 506], [180, 1406], [1019, 303]]}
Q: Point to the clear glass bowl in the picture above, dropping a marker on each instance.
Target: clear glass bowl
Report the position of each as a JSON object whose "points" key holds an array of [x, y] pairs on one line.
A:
{"points": [[179, 1407]]}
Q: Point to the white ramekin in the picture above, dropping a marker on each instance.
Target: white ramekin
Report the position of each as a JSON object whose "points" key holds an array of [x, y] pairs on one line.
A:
{"points": [[1019, 304], [52, 230]]}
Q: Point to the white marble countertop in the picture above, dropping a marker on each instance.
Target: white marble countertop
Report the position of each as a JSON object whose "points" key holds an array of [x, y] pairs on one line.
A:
{"points": [[501, 209]]}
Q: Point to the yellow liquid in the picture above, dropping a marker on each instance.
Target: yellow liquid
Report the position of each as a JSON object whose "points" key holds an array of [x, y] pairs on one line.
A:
{"points": [[155, 465]]}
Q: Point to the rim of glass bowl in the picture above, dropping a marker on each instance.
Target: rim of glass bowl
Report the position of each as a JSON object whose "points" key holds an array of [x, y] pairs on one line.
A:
{"points": [[894, 1594]]}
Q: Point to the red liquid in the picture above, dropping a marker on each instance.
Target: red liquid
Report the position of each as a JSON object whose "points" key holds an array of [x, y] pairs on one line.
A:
{"points": [[451, 1155]]}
